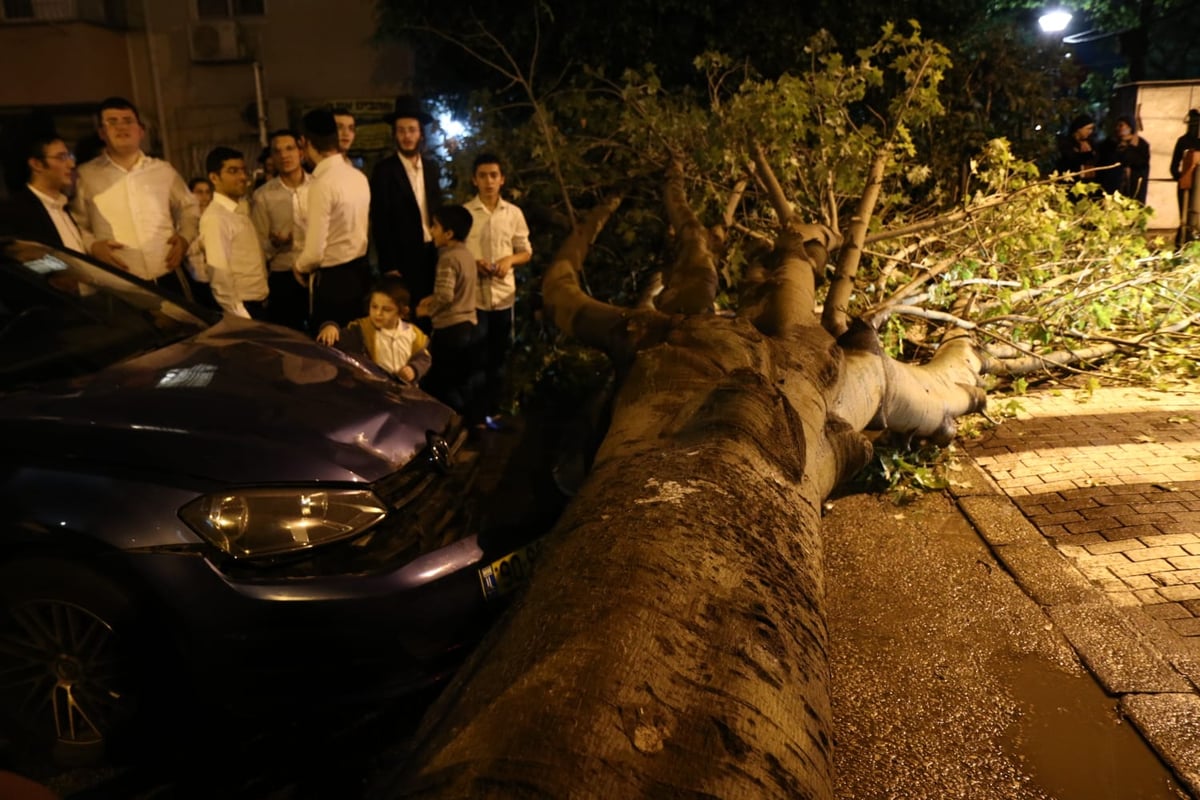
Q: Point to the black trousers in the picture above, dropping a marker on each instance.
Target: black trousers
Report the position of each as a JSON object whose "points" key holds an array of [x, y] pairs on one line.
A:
{"points": [[340, 292], [495, 333], [449, 377], [288, 300]]}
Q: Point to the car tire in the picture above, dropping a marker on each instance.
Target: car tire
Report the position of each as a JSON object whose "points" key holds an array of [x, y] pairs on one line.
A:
{"points": [[70, 660]]}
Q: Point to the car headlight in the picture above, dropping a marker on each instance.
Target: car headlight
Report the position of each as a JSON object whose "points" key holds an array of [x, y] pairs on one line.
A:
{"points": [[266, 521]]}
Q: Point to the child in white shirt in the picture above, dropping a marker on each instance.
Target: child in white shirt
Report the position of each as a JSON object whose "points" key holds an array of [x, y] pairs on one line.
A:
{"points": [[384, 336]]}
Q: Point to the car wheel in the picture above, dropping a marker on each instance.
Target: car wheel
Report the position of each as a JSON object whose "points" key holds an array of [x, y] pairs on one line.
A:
{"points": [[68, 677]]}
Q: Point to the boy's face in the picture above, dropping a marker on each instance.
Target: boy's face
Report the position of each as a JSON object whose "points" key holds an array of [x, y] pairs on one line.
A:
{"points": [[345, 128], [384, 312], [488, 179], [121, 130], [203, 191], [441, 236], [231, 181], [286, 153]]}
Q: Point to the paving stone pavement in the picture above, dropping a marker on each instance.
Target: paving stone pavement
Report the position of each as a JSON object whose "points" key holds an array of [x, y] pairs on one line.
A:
{"points": [[1109, 479]]}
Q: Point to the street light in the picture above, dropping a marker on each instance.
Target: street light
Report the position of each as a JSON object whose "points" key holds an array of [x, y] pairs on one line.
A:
{"points": [[1054, 21]]}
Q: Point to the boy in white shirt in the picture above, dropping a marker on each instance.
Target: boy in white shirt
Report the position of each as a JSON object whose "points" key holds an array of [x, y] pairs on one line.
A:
{"points": [[135, 211], [231, 247], [499, 241]]}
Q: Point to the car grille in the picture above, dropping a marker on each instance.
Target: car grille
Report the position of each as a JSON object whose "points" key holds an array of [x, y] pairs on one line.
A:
{"points": [[402, 487], [432, 504]]}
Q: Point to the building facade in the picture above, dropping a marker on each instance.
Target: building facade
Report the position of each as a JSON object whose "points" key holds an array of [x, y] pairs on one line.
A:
{"points": [[202, 72]]}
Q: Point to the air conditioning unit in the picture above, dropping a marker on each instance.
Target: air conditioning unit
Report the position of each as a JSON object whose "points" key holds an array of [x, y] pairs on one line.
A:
{"points": [[216, 41]]}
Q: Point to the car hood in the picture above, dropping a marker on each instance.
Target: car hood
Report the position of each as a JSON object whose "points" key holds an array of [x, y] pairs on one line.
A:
{"points": [[241, 402]]}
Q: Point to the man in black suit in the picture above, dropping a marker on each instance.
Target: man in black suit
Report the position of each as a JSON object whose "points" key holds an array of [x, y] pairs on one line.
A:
{"points": [[38, 210], [405, 191]]}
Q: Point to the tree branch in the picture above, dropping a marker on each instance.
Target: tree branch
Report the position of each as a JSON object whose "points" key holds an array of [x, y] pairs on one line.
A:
{"points": [[691, 285], [835, 316], [775, 192], [616, 331]]}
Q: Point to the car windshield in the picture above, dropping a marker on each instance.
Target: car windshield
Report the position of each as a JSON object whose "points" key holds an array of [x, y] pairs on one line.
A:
{"points": [[61, 316]]}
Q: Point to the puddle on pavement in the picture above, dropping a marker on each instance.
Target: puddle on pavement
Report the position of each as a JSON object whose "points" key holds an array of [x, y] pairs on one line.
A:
{"points": [[1076, 746]]}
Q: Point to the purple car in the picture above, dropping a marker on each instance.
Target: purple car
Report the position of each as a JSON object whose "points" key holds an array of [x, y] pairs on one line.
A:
{"points": [[218, 502]]}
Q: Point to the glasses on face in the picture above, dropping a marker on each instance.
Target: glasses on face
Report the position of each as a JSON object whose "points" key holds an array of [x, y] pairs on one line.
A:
{"points": [[61, 157], [119, 122]]}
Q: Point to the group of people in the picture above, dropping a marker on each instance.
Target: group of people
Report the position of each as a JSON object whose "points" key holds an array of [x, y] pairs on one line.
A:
{"points": [[1120, 164], [294, 250]]}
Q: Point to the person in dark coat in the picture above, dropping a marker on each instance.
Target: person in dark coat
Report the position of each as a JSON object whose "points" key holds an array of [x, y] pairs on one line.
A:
{"points": [[1131, 155], [38, 210], [405, 191], [1077, 150], [1184, 161]]}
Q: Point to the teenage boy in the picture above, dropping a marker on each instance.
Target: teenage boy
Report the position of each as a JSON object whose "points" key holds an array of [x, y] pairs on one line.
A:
{"points": [[280, 215], [335, 244], [499, 242], [135, 211], [231, 249], [451, 308], [345, 128]]}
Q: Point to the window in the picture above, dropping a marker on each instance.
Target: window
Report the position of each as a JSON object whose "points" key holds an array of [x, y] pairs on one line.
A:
{"points": [[225, 9], [18, 9], [102, 12]]}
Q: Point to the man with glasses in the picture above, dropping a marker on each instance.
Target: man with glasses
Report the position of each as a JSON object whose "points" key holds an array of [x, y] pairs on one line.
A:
{"points": [[135, 211], [39, 210]]}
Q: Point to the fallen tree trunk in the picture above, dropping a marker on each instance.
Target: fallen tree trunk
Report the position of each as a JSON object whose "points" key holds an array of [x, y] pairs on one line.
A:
{"points": [[672, 641]]}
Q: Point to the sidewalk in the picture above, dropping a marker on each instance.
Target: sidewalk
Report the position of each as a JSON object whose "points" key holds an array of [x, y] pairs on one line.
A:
{"points": [[1092, 501]]}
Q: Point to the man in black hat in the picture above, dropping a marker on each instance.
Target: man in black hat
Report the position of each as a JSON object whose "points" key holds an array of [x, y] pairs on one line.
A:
{"points": [[405, 190]]}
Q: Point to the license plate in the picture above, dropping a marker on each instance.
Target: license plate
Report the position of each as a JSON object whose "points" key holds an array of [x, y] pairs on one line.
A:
{"points": [[505, 574]]}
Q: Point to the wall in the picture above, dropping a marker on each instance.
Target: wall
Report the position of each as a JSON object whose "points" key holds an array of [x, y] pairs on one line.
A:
{"points": [[313, 52]]}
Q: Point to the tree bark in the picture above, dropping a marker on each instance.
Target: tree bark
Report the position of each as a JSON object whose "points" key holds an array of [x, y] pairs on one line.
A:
{"points": [[672, 641]]}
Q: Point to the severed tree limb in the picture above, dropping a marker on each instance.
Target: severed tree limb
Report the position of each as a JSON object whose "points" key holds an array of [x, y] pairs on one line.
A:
{"points": [[1033, 362], [835, 315], [691, 285], [881, 393], [962, 213], [617, 331]]}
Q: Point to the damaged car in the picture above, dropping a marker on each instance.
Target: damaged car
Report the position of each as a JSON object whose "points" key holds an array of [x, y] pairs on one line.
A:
{"points": [[216, 502]]}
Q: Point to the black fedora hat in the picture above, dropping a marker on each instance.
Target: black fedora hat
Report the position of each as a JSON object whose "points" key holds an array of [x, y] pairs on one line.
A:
{"points": [[409, 107]]}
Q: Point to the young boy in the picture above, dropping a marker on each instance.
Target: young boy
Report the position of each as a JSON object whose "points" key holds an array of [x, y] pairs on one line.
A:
{"points": [[451, 308], [231, 248], [499, 241], [385, 336]]}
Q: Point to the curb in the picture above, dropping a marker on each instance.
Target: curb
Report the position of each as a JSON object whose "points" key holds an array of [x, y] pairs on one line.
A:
{"points": [[1162, 703]]}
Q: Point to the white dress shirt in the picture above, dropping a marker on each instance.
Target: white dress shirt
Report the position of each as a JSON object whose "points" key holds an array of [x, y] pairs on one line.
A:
{"points": [[56, 207], [416, 178], [496, 234], [394, 346], [141, 208], [280, 209], [234, 258], [339, 202]]}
